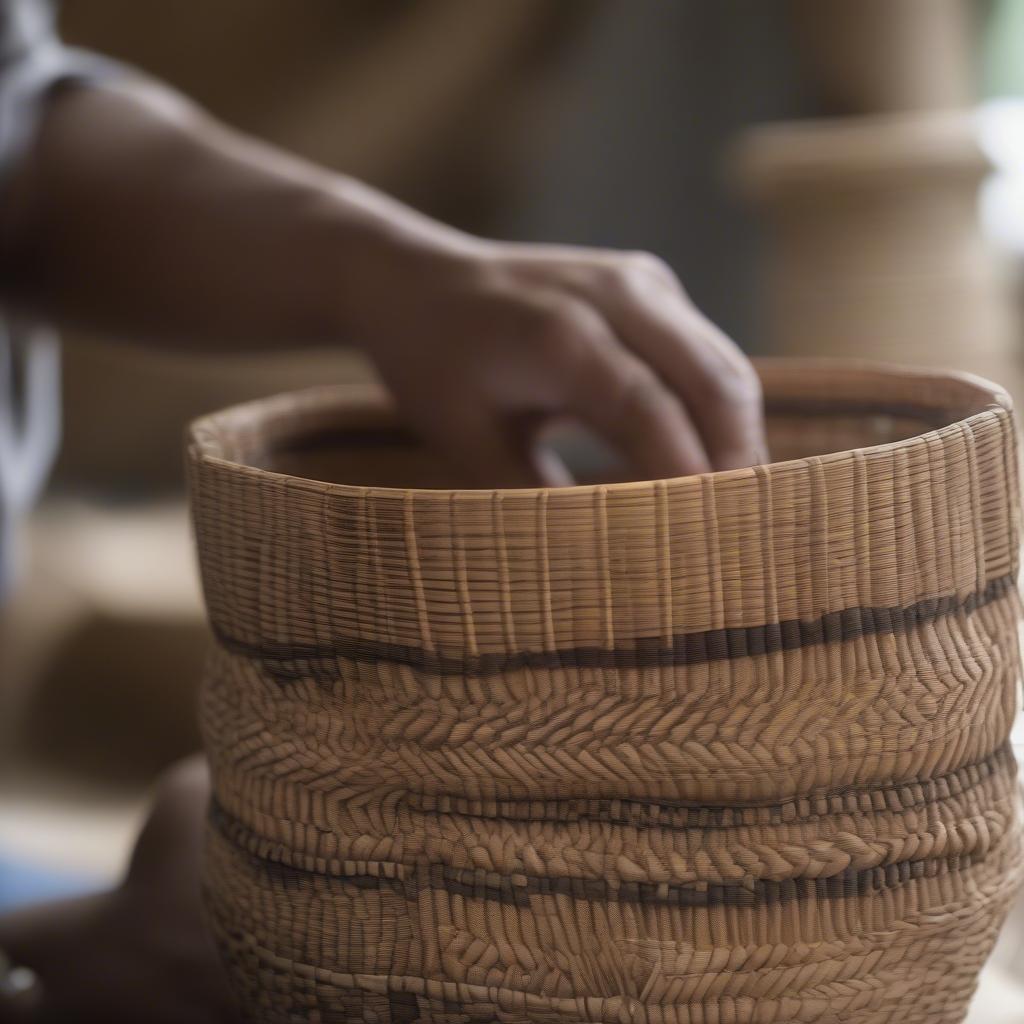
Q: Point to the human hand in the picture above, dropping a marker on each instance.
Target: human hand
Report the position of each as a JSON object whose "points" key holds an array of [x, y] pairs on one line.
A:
{"points": [[139, 954], [482, 342], [149, 220]]}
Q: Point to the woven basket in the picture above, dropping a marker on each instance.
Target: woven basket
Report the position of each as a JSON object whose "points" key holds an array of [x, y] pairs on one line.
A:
{"points": [[729, 748]]}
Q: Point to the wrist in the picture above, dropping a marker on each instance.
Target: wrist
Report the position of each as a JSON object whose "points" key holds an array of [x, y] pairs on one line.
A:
{"points": [[386, 258]]}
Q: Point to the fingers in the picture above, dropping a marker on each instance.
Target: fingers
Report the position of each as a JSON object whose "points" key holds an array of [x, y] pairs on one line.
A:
{"points": [[630, 406], [615, 393], [567, 360], [608, 339], [649, 311]]}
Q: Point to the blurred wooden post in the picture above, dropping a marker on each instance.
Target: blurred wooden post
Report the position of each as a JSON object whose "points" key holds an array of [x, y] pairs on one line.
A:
{"points": [[873, 241], [878, 56]]}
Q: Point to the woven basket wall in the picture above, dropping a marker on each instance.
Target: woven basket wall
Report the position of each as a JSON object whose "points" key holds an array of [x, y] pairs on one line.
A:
{"points": [[730, 748]]}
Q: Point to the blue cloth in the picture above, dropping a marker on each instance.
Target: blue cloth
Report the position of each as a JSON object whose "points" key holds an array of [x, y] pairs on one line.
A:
{"points": [[22, 883]]}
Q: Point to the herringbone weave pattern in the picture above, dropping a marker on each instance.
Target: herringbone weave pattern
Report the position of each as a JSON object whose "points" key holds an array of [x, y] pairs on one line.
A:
{"points": [[729, 749]]}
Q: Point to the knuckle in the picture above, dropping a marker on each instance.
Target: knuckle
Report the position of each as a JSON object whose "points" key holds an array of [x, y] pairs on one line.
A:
{"points": [[638, 276], [641, 268], [640, 392], [535, 324], [737, 385], [565, 332], [648, 263]]}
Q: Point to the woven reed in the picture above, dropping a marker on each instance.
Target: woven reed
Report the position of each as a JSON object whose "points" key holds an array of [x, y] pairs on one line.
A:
{"points": [[730, 748]]}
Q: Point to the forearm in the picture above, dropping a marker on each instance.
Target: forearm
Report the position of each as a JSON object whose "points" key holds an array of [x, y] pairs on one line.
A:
{"points": [[139, 215]]}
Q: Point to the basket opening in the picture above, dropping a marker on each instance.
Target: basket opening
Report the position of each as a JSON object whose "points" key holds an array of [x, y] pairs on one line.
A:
{"points": [[391, 456], [350, 434]]}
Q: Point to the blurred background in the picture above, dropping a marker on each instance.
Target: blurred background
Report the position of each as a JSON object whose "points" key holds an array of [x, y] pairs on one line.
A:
{"points": [[827, 177]]}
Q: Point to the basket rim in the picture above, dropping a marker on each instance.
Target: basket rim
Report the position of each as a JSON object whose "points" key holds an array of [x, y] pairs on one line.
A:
{"points": [[207, 436]]}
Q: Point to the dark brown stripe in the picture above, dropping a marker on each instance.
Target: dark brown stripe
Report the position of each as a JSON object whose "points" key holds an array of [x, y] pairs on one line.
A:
{"points": [[759, 892], [286, 868], [487, 885], [319, 661]]}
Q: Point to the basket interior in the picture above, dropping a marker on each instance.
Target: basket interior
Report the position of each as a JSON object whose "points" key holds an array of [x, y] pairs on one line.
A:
{"points": [[361, 442], [396, 458]]}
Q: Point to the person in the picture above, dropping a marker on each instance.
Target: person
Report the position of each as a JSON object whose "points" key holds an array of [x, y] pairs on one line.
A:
{"points": [[125, 208]]}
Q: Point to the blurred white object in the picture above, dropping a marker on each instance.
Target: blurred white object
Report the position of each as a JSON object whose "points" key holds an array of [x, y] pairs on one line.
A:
{"points": [[1001, 137]]}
